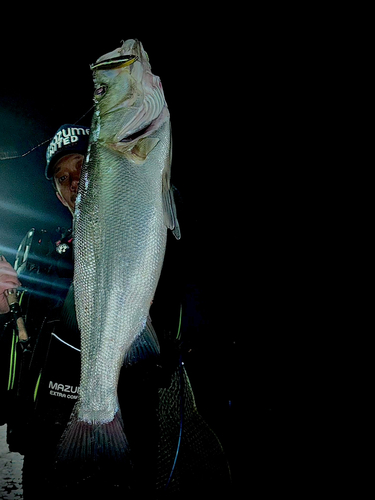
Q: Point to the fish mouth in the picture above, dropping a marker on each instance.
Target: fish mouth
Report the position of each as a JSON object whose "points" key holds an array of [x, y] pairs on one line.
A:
{"points": [[115, 62]]}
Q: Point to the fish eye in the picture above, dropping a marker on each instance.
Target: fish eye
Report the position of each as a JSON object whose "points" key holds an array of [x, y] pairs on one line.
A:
{"points": [[100, 91]]}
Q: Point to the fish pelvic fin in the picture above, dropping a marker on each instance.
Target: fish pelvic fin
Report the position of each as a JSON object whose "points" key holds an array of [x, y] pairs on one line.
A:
{"points": [[169, 205], [95, 453]]}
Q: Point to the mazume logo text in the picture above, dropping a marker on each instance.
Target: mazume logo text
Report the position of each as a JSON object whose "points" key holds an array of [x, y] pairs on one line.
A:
{"points": [[64, 137], [63, 391]]}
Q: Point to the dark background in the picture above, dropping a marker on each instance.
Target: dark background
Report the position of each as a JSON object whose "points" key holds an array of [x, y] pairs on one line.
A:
{"points": [[227, 88]]}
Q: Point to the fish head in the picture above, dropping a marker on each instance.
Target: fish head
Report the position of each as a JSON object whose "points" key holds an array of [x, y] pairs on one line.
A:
{"points": [[127, 95]]}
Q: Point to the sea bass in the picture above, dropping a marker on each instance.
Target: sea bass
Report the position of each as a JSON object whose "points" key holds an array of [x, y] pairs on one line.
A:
{"points": [[124, 208]]}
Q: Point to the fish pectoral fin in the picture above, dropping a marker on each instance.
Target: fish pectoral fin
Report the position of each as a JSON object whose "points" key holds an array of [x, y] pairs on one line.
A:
{"points": [[144, 147], [139, 152]]}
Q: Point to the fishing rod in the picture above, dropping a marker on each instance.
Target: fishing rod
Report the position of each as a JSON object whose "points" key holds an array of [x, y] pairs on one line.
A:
{"points": [[14, 306], [181, 377]]}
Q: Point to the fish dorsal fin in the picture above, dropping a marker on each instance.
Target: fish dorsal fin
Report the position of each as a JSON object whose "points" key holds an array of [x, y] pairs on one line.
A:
{"points": [[145, 346]]}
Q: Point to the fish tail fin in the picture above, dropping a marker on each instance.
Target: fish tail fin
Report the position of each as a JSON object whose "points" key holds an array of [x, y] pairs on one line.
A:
{"points": [[97, 454]]}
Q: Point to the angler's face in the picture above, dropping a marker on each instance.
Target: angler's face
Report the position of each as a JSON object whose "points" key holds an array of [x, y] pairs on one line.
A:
{"points": [[66, 176]]}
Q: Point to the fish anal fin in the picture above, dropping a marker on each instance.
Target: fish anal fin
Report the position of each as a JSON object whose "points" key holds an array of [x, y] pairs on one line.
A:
{"points": [[145, 346]]}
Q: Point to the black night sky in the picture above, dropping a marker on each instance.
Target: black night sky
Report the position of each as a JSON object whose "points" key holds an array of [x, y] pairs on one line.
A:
{"points": [[220, 83]]}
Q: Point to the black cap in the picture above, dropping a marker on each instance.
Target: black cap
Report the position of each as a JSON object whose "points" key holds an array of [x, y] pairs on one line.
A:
{"points": [[68, 139]]}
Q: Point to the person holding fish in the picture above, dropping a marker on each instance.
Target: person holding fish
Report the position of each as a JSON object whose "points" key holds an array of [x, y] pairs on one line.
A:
{"points": [[134, 428]]}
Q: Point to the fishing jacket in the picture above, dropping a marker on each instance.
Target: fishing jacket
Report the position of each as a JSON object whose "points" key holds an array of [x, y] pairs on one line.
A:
{"points": [[39, 387], [44, 264]]}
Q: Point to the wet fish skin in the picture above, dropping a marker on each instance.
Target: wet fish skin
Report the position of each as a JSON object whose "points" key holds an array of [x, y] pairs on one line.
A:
{"points": [[123, 209]]}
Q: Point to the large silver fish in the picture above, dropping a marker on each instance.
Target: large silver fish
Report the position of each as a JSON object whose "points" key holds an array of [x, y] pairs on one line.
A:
{"points": [[123, 210]]}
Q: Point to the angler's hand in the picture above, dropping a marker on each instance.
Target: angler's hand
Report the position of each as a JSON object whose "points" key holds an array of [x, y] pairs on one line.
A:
{"points": [[8, 280]]}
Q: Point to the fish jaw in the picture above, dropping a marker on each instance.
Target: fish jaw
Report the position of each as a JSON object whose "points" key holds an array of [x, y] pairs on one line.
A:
{"points": [[131, 46]]}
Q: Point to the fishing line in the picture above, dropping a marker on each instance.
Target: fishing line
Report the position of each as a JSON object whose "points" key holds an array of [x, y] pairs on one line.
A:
{"points": [[44, 142], [87, 112], [66, 343], [27, 152], [181, 422], [180, 369]]}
